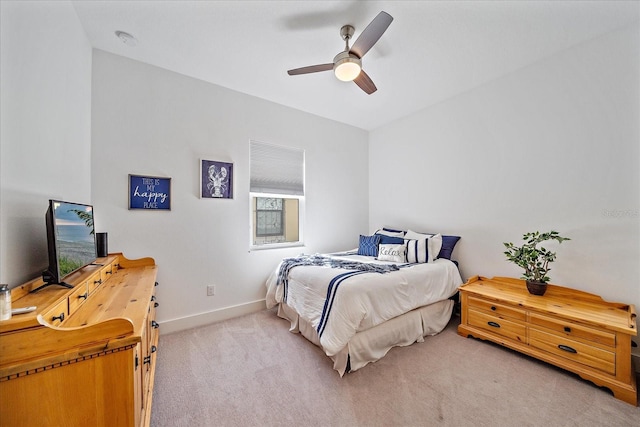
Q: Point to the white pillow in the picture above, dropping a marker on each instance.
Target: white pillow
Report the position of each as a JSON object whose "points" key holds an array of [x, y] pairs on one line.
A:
{"points": [[413, 235], [434, 242], [394, 253], [418, 251]]}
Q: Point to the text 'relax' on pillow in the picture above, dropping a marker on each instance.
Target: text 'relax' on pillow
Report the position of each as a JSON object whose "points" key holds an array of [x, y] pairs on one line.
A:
{"points": [[393, 253], [368, 245]]}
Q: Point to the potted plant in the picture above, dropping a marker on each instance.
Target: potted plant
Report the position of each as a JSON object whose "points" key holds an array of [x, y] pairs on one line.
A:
{"points": [[533, 259]]}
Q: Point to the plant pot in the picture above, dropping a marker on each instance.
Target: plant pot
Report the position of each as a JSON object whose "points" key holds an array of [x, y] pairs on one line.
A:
{"points": [[536, 288]]}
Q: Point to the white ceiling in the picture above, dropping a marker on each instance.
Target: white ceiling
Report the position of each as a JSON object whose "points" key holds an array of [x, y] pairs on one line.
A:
{"points": [[432, 51]]}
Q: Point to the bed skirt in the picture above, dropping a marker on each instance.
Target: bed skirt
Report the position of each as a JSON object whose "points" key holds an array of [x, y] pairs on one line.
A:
{"points": [[372, 344]]}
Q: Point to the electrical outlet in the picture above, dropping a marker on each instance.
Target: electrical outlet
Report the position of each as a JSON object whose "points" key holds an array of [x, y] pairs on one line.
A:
{"points": [[211, 290]]}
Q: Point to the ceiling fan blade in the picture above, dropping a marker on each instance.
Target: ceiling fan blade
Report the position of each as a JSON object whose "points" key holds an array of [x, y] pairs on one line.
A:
{"points": [[371, 34], [366, 84], [310, 69]]}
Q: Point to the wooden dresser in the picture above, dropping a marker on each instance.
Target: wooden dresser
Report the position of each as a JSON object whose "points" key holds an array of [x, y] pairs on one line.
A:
{"points": [[571, 329], [85, 357]]}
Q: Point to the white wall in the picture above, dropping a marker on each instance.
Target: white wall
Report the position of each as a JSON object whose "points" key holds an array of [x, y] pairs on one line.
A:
{"points": [[461, 167], [45, 145], [151, 121], [552, 146]]}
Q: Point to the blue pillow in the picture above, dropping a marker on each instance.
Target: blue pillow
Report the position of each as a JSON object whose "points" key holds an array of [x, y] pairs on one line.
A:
{"points": [[389, 240], [369, 245], [448, 244]]}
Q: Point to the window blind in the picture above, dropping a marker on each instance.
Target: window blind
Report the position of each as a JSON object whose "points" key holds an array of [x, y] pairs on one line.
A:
{"points": [[276, 169]]}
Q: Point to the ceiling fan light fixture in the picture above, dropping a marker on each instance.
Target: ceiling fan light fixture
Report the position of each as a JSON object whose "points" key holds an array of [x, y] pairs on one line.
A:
{"points": [[347, 67]]}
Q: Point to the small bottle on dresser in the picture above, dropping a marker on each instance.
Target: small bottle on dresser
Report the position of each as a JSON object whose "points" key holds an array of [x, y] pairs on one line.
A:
{"points": [[5, 302]]}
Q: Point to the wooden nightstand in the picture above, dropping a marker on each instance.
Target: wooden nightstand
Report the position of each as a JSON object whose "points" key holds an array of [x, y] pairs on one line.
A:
{"points": [[573, 330]]}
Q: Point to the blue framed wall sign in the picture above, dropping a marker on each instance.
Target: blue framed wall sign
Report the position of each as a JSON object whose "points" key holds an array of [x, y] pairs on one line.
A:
{"points": [[149, 193]]}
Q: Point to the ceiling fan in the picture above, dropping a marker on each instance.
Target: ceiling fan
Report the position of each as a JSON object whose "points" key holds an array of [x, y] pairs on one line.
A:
{"points": [[347, 65]]}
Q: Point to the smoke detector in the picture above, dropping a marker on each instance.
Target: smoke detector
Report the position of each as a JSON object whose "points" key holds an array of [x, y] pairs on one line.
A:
{"points": [[127, 38]]}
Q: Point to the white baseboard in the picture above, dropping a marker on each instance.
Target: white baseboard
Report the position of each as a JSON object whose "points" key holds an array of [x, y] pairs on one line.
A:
{"points": [[203, 319]]}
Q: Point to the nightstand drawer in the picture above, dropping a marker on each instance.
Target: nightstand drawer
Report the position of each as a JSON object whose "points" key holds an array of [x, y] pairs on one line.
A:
{"points": [[573, 350], [505, 328], [573, 330], [497, 309]]}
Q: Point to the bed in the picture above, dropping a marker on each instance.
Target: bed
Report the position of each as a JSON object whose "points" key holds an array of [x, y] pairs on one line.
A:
{"points": [[394, 290]]}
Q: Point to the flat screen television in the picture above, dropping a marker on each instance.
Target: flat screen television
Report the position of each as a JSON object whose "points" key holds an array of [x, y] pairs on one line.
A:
{"points": [[70, 239]]}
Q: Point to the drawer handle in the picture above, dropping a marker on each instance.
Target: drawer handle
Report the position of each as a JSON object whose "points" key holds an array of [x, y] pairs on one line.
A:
{"points": [[107, 272], [85, 295], [156, 284], [493, 308], [154, 324], [154, 349], [97, 282], [155, 305], [567, 348], [153, 297], [60, 318], [494, 324], [567, 329]]}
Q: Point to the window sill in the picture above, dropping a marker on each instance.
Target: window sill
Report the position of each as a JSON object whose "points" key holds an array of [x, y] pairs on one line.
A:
{"points": [[276, 246]]}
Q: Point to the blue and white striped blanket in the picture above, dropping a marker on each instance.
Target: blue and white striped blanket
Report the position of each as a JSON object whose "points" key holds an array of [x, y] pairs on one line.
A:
{"points": [[325, 261], [354, 267]]}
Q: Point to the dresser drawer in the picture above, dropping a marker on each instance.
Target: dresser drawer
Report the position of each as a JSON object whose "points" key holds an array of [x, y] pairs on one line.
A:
{"points": [[497, 309], [506, 328], [573, 350], [77, 297], [106, 272], [58, 313], [94, 281], [572, 330]]}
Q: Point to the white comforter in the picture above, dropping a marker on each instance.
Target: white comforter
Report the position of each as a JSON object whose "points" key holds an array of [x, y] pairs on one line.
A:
{"points": [[363, 300]]}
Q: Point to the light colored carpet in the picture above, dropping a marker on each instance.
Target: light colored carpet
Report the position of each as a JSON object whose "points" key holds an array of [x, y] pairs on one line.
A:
{"points": [[251, 371]]}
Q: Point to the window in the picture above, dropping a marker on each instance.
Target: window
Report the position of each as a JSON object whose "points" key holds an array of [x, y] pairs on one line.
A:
{"points": [[277, 195], [269, 217]]}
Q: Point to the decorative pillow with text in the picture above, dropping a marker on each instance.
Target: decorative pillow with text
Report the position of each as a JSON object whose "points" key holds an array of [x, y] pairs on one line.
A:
{"points": [[393, 253]]}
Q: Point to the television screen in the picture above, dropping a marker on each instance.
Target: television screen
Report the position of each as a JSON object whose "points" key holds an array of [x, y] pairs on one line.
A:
{"points": [[75, 236], [70, 239]]}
